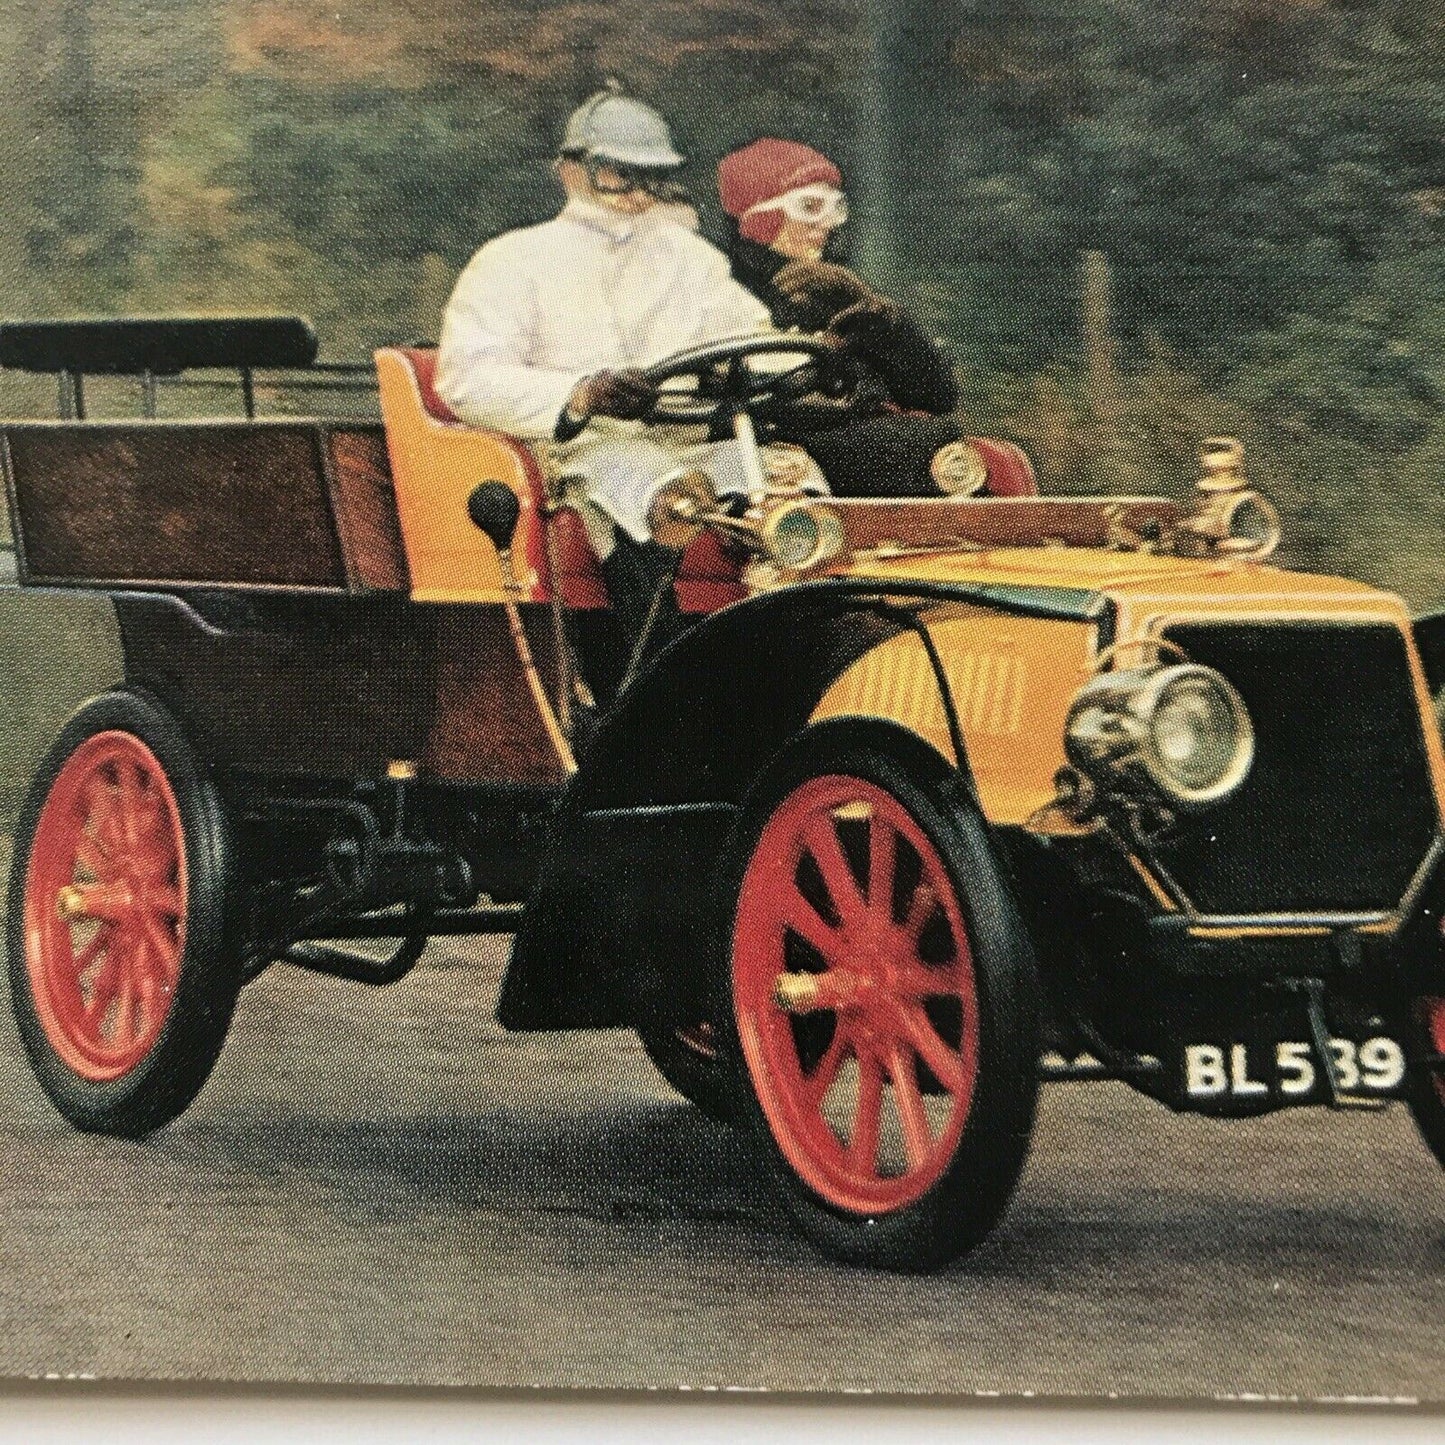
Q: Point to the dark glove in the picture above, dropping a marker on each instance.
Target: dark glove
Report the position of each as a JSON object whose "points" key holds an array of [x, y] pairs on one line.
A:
{"points": [[623, 394], [819, 290], [867, 325]]}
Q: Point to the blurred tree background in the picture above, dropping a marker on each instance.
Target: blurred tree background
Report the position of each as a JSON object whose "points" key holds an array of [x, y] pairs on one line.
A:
{"points": [[1135, 222]]}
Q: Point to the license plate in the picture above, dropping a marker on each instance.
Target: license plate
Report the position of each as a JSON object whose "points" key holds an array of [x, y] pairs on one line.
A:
{"points": [[1291, 1069]]}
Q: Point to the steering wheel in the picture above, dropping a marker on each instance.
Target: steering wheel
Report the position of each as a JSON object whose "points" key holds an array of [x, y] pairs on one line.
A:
{"points": [[725, 383]]}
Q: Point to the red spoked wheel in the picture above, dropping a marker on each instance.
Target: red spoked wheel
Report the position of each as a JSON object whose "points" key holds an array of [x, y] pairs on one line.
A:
{"points": [[856, 999], [105, 906], [1427, 1087], [883, 1001], [1432, 1016], [121, 978]]}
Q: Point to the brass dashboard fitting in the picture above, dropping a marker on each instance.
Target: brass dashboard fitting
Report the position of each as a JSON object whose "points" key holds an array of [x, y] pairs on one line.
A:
{"points": [[790, 469], [793, 535], [679, 509], [959, 469]]}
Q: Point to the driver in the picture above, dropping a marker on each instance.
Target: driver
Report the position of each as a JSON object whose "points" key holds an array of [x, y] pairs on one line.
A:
{"points": [[549, 329]]}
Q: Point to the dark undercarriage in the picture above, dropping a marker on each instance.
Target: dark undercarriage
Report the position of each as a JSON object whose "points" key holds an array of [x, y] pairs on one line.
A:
{"points": [[1301, 944]]}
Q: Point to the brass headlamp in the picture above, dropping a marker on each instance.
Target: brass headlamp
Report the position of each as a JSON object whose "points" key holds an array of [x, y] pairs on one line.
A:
{"points": [[1177, 734], [1229, 517], [800, 535]]}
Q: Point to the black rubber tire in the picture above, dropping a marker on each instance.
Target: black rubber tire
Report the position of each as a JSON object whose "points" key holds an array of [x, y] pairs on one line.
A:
{"points": [[164, 1082], [700, 1079], [966, 1202]]}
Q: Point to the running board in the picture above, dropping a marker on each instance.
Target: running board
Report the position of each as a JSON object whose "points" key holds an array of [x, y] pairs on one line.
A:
{"points": [[1054, 1068], [414, 934], [357, 967], [445, 922]]}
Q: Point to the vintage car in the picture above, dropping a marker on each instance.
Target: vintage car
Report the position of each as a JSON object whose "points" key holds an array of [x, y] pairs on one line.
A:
{"points": [[930, 800]]}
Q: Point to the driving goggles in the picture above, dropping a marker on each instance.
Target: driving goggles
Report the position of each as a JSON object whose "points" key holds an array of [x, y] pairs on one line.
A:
{"points": [[815, 205], [608, 178]]}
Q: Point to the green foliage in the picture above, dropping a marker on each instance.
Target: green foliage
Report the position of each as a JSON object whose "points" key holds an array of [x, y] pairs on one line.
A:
{"points": [[1263, 175]]}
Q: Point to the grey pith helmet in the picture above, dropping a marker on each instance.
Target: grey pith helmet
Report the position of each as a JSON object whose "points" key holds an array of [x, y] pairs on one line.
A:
{"points": [[613, 127]]}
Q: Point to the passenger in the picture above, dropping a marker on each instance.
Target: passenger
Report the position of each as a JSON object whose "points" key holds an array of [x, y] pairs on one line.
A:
{"points": [[550, 328], [786, 202]]}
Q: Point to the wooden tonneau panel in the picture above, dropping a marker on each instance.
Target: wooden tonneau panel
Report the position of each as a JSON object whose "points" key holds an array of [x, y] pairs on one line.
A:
{"points": [[272, 504], [311, 685], [976, 522]]}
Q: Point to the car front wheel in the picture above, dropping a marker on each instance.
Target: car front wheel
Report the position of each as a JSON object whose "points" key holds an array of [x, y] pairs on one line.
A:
{"points": [[883, 1000]]}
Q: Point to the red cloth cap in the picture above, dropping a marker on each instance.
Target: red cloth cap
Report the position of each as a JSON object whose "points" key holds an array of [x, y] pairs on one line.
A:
{"points": [[764, 171]]}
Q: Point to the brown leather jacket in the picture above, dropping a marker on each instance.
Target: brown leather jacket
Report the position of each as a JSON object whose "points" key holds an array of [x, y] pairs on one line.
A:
{"points": [[916, 373]]}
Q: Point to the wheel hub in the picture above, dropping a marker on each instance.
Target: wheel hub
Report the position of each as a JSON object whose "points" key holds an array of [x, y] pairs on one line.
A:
{"points": [[113, 901]]}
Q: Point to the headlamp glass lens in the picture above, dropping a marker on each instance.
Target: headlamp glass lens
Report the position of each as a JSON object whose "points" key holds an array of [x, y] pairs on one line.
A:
{"points": [[795, 539], [799, 535], [1196, 733]]}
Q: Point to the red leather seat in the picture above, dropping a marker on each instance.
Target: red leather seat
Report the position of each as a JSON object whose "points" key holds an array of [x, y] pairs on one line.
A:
{"points": [[579, 576], [423, 361], [710, 577]]}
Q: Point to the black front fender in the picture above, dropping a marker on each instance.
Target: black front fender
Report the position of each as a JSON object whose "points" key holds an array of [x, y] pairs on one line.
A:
{"points": [[626, 891], [1430, 642]]}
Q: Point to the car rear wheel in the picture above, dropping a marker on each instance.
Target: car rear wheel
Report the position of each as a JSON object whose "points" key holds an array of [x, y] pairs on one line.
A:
{"points": [[686, 1055], [120, 977], [883, 1000]]}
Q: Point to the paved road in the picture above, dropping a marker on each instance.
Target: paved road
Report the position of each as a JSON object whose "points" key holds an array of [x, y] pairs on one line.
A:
{"points": [[383, 1186]]}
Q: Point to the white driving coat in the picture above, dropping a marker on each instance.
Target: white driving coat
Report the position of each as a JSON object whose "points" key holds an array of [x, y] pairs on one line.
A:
{"points": [[538, 309]]}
